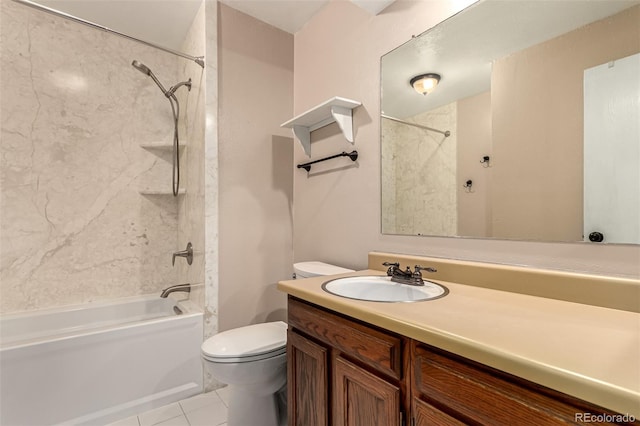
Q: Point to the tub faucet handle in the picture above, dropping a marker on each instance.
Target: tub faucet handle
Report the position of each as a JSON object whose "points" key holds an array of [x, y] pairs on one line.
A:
{"points": [[188, 254]]}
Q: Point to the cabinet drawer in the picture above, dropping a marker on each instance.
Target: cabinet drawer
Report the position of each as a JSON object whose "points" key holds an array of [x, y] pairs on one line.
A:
{"points": [[482, 395], [427, 415], [381, 351]]}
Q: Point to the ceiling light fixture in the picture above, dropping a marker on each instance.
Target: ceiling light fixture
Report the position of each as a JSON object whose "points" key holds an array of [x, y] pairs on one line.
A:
{"points": [[425, 83]]}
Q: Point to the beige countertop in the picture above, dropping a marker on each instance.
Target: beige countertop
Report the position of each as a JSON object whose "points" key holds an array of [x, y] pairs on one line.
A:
{"points": [[590, 352]]}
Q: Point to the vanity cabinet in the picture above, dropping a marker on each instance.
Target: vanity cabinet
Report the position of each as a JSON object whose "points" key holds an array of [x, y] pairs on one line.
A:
{"points": [[342, 371], [450, 390], [307, 381]]}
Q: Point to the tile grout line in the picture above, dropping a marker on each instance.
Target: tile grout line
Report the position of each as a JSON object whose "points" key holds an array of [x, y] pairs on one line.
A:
{"points": [[184, 413]]}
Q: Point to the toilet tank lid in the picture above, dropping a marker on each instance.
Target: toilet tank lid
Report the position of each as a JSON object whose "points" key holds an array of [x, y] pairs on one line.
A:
{"points": [[315, 269], [246, 341]]}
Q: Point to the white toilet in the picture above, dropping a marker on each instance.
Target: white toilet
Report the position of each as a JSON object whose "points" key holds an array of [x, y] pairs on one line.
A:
{"points": [[316, 269], [252, 360]]}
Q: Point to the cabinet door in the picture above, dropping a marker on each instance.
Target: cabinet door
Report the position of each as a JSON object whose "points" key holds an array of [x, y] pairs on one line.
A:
{"points": [[361, 398], [307, 378]]}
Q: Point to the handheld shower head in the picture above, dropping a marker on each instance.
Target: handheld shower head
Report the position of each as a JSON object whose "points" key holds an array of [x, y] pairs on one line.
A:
{"points": [[175, 108], [141, 67], [145, 70]]}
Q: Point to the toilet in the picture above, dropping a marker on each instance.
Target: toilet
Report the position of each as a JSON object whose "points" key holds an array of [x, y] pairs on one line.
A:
{"points": [[316, 269], [252, 360]]}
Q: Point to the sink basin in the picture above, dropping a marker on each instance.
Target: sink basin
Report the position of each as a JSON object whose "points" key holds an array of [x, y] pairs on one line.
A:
{"points": [[382, 289]]}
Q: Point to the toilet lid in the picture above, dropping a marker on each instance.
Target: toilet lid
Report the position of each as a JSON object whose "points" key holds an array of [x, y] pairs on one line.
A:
{"points": [[315, 269], [249, 343]]}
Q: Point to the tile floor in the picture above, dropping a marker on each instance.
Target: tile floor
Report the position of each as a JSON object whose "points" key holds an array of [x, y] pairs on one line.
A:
{"points": [[207, 409]]}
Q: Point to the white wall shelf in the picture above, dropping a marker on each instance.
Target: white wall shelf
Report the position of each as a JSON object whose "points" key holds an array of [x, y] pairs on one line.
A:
{"points": [[160, 192], [161, 146], [336, 109]]}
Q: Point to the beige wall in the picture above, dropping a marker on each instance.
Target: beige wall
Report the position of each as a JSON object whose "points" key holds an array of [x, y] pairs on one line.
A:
{"points": [[538, 128], [255, 168], [474, 142], [337, 214]]}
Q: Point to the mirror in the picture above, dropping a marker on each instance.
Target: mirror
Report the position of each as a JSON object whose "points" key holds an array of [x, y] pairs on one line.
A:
{"points": [[540, 99], [162, 23]]}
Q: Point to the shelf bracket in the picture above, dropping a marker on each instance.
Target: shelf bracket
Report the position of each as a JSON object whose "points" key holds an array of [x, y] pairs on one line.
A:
{"points": [[343, 116], [304, 136]]}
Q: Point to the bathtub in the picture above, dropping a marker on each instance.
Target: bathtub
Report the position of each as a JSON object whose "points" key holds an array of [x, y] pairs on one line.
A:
{"points": [[98, 363]]}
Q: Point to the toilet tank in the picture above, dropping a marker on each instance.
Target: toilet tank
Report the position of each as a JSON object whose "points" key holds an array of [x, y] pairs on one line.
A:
{"points": [[316, 269]]}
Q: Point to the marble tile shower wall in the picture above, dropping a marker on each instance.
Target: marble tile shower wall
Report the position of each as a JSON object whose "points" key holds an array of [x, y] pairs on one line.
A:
{"points": [[414, 186], [191, 207], [74, 114]]}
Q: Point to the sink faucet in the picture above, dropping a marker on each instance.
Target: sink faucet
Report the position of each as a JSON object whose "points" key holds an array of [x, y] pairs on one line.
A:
{"points": [[178, 287], [407, 276], [188, 254]]}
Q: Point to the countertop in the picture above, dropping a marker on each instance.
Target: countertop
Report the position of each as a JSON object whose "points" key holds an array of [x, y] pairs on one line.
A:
{"points": [[590, 352]]}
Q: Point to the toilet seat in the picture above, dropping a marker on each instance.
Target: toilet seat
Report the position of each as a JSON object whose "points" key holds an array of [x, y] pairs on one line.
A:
{"points": [[246, 344], [241, 359]]}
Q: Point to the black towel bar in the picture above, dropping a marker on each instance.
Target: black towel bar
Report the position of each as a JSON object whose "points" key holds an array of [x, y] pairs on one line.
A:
{"points": [[307, 166]]}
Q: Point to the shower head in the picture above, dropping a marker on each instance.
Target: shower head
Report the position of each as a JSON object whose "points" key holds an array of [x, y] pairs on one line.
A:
{"points": [[145, 70], [141, 67]]}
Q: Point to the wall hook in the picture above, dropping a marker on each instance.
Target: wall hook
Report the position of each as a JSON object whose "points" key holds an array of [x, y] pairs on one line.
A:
{"points": [[468, 185], [486, 161]]}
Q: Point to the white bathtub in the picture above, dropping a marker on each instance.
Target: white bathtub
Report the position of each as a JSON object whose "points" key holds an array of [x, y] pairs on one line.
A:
{"points": [[97, 363]]}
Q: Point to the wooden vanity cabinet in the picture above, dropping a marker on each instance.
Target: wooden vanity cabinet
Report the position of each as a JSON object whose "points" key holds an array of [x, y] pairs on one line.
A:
{"points": [[341, 372], [451, 390], [307, 381], [344, 372]]}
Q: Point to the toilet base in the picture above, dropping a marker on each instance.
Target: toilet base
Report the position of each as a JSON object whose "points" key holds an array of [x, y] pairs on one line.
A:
{"points": [[250, 409]]}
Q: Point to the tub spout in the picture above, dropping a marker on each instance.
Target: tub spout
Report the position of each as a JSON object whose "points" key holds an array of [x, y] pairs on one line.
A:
{"points": [[178, 287]]}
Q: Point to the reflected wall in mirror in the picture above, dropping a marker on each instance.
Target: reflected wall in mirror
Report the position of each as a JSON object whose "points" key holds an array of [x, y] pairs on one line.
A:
{"points": [[541, 101]]}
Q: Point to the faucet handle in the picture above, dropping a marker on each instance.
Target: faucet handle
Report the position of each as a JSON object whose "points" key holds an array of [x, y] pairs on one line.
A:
{"points": [[392, 266], [188, 254], [418, 269]]}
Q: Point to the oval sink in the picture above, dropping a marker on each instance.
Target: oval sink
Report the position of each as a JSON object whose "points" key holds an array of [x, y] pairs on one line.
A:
{"points": [[382, 289]]}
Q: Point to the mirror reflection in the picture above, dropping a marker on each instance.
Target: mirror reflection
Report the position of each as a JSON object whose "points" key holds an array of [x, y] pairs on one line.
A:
{"points": [[531, 132]]}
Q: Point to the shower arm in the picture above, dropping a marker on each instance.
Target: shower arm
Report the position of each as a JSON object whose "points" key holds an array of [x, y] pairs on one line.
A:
{"points": [[172, 89]]}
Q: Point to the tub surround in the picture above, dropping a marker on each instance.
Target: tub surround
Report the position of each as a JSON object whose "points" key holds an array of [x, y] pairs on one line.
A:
{"points": [[75, 227], [562, 344]]}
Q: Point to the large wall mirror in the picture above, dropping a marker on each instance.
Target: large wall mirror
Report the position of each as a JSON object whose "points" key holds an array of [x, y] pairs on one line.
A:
{"points": [[532, 132]]}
